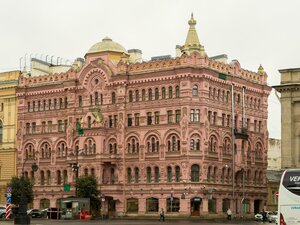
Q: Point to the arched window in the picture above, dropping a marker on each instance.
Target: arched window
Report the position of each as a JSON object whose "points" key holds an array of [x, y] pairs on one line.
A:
{"points": [[151, 205], [143, 95], [132, 205], [192, 115], [169, 175], [90, 147], [173, 205], [133, 145], [212, 144], [163, 93], [156, 94], [177, 92], [192, 145], [170, 92], [152, 144], [58, 176], [45, 151], [173, 143], [113, 97], [129, 175], [177, 174], [96, 98], [136, 175], [89, 122], [42, 177], [80, 101], [156, 174], [195, 173], [198, 144], [130, 96], [149, 175], [60, 103], [65, 177], [61, 149], [197, 115], [149, 94], [195, 90], [112, 175], [137, 95], [29, 151], [66, 102], [48, 177]]}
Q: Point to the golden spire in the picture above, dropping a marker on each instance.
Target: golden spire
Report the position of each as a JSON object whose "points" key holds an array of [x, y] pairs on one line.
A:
{"points": [[260, 69], [192, 43]]}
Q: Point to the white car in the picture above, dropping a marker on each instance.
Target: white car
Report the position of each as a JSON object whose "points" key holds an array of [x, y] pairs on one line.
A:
{"points": [[259, 217], [2, 211], [272, 218]]}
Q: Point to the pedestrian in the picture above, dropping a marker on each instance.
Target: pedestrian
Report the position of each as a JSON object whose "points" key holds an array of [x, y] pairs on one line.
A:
{"points": [[162, 215], [264, 216], [229, 214]]}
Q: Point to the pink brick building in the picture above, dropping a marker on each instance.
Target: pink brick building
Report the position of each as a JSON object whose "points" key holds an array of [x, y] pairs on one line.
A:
{"points": [[157, 134]]}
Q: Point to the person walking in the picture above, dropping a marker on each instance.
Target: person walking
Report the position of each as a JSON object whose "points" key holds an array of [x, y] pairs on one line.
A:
{"points": [[229, 214], [264, 216], [162, 215]]}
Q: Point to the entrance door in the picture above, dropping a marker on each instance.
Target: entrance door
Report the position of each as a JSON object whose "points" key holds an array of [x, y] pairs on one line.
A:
{"points": [[257, 206], [195, 206], [111, 206]]}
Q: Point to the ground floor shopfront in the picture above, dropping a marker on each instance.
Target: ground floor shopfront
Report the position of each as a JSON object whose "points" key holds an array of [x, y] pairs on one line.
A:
{"points": [[177, 205]]}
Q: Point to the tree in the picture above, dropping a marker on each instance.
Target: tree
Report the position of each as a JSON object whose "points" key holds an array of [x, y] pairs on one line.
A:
{"points": [[87, 187], [20, 185]]}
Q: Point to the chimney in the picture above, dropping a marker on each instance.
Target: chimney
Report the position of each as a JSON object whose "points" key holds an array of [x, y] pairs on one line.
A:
{"points": [[135, 56]]}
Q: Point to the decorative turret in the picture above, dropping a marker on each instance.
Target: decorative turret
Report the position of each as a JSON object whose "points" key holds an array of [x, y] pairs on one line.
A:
{"points": [[192, 43], [261, 70]]}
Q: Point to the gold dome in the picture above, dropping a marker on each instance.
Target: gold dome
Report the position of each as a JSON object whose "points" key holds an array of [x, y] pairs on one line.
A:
{"points": [[107, 45]]}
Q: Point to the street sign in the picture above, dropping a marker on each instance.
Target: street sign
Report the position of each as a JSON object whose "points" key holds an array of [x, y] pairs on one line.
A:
{"points": [[8, 200], [67, 187], [8, 195], [9, 190]]}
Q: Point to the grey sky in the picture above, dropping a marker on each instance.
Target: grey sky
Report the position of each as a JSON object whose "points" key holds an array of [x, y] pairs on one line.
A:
{"points": [[252, 31]]}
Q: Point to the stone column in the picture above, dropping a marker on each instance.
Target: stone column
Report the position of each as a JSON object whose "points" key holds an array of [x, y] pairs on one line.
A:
{"points": [[204, 206], [142, 205]]}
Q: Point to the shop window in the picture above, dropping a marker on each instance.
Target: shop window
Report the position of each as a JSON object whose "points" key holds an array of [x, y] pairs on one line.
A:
{"points": [[132, 205], [151, 205]]}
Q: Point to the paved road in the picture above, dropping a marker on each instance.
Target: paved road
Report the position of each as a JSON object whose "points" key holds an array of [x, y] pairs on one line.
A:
{"points": [[133, 222]]}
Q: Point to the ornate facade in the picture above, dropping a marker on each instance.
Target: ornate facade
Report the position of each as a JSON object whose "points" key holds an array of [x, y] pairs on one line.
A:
{"points": [[8, 127], [157, 134]]}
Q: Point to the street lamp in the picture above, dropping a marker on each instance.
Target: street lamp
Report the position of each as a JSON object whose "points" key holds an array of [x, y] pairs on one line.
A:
{"points": [[75, 168], [22, 217]]}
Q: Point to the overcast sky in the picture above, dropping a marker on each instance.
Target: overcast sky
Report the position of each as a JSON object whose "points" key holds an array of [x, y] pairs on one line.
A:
{"points": [[252, 31]]}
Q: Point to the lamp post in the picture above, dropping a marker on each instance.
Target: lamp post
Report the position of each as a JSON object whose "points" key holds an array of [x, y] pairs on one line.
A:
{"points": [[22, 217], [243, 190], [75, 168]]}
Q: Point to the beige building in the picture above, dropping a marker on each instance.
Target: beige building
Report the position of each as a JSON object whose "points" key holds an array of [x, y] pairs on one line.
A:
{"points": [[274, 154], [8, 123], [290, 117]]}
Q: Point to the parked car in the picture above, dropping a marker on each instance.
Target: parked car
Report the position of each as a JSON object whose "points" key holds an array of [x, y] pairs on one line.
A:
{"points": [[2, 211], [272, 218], [35, 213], [259, 217]]}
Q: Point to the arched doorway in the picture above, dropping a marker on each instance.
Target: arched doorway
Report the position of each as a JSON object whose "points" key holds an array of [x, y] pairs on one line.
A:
{"points": [[257, 204], [195, 206]]}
